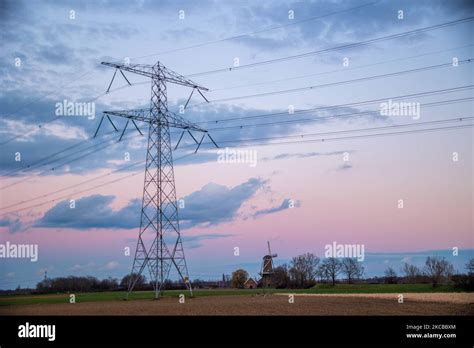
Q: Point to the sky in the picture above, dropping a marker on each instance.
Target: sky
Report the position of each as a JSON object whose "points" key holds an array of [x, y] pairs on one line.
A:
{"points": [[340, 59]]}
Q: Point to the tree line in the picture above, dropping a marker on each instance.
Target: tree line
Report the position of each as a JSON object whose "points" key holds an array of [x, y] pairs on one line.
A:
{"points": [[305, 270], [89, 283]]}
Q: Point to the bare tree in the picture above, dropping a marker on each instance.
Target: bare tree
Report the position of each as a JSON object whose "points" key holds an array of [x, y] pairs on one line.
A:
{"points": [[239, 277], [281, 277], [390, 276], [352, 269], [438, 269], [303, 269], [321, 273], [331, 268], [470, 267], [411, 272]]}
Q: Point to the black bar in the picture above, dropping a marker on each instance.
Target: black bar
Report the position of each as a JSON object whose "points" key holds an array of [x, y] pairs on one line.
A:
{"points": [[218, 330]]}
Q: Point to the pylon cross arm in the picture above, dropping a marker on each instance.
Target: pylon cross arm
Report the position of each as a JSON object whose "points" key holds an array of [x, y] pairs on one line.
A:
{"points": [[145, 115], [164, 74], [142, 115], [174, 77]]}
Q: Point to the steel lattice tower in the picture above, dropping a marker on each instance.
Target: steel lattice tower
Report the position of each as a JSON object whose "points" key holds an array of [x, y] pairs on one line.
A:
{"points": [[159, 213]]}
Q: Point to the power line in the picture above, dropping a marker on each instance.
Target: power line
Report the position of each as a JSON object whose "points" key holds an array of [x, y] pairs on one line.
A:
{"points": [[74, 186], [85, 190], [32, 165], [139, 83], [301, 136], [338, 138], [94, 151], [29, 132], [362, 136], [336, 48], [53, 119], [80, 77], [38, 163], [434, 27], [38, 99], [241, 126], [345, 69], [361, 113], [415, 124], [42, 164], [307, 75], [368, 78], [331, 107], [257, 31]]}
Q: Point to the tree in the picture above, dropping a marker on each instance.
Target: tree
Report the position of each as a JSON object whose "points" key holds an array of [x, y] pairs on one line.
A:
{"points": [[331, 268], [281, 277], [352, 269], [197, 283], [45, 285], [470, 267], [141, 281], [411, 272], [108, 284], [239, 277], [303, 269], [390, 276], [438, 269]]}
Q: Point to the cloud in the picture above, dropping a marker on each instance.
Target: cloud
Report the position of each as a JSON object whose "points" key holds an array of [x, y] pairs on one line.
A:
{"points": [[285, 204], [83, 268], [193, 242], [342, 27], [68, 131], [266, 43], [91, 266], [13, 224], [91, 212], [211, 205], [304, 155], [109, 266], [184, 33], [214, 203], [56, 54], [344, 167]]}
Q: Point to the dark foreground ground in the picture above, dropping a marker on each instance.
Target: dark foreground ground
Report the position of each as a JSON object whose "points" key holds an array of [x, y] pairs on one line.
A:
{"points": [[414, 304]]}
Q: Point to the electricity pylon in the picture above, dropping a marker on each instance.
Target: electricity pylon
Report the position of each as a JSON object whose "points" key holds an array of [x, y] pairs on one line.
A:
{"points": [[159, 213]]}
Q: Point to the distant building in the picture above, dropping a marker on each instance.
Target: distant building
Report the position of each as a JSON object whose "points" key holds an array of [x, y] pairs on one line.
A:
{"points": [[250, 284]]}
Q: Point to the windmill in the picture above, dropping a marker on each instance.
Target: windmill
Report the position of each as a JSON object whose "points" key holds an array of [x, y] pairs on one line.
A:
{"points": [[267, 270]]}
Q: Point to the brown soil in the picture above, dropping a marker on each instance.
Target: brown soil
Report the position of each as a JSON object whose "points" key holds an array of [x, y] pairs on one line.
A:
{"points": [[385, 304], [461, 297]]}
